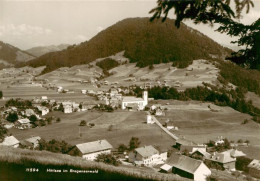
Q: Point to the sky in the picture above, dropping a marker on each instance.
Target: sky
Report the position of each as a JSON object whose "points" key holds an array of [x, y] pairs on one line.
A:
{"points": [[31, 23]]}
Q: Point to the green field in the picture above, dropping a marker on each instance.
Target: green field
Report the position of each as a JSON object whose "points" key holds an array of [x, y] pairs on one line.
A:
{"points": [[125, 125]]}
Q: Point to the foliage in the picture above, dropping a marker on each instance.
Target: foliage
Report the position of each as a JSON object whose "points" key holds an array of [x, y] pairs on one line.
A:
{"points": [[134, 143], [104, 107], [122, 148], [108, 159], [58, 120], [33, 118], [12, 117], [1, 94], [142, 42], [3, 132], [221, 12], [211, 178], [19, 103], [54, 146], [83, 123], [107, 64], [242, 162]]}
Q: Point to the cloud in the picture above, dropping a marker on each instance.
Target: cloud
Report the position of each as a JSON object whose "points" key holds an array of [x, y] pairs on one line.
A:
{"points": [[23, 30], [81, 38], [100, 28]]}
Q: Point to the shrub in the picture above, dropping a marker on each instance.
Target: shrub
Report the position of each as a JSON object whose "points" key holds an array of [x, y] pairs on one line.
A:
{"points": [[122, 148], [83, 123], [12, 117], [108, 159], [134, 143], [58, 120]]}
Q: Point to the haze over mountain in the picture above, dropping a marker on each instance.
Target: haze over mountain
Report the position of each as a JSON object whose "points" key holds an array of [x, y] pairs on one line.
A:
{"points": [[10, 55], [41, 50], [144, 42]]}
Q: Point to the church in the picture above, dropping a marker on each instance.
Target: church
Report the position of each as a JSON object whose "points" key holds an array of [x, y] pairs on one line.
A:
{"points": [[135, 102]]}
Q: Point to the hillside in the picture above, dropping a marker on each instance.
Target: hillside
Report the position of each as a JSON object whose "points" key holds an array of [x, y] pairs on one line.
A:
{"points": [[16, 160], [144, 42], [41, 50], [10, 55]]}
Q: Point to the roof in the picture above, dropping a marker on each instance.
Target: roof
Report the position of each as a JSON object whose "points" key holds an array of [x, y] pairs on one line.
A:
{"points": [[185, 163], [166, 167], [204, 153], [254, 164], [94, 146], [10, 141], [147, 151], [235, 153], [185, 142], [34, 139], [131, 99], [24, 121], [223, 157]]}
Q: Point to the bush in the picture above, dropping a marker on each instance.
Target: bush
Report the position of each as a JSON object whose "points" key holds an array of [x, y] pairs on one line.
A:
{"points": [[58, 120], [108, 159], [134, 143], [122, 148], [12, 117], [242, 162], [83, 123]]}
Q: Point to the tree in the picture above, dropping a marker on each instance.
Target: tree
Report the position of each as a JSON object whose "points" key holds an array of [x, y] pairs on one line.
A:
{"points": [[83, 123], [3, 131], [221, 12], [58, 120], [12, 117], [33, 118], [122, 148], [134, 143], [1, 94]]}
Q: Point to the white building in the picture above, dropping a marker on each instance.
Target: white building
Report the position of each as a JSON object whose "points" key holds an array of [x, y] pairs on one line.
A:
{"points": [[43, 109], [23, 123], [147, 156], [10, 141], [45, 98], [68, 109], [84, 91], [140, 103], [91, 150], [149, 119]]}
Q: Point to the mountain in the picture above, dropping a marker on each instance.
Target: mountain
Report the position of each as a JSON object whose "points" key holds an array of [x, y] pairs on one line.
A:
{"points": [[41, 50], [10, 55], [144, 42]]}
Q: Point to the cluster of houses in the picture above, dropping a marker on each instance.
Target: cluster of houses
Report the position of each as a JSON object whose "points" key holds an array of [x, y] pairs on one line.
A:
{"points": [[31, 142]]}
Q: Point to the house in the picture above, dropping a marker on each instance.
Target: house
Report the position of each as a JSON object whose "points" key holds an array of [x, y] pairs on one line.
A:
{"points": [[129, 101], [23, 123], [254, 168], [147, 156], [188, 167], [91, 150], [29, 112], [234, 153], [34, 141], [224, 160], [67, 109], [186, 145], [200, 153], [44, 110], [84, 91], [149, 119], [10, 141], [44, 98]]}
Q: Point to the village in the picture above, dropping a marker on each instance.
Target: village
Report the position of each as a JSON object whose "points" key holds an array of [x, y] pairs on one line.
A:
{"points": [[186, 158]]}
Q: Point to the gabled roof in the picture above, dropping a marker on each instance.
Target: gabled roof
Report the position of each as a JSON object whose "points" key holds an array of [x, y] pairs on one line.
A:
{"points": [[24, 121], [254, 164], [34, 139], [201, 151], [235, 153], [147, 151], [10, 141], [166, 167], [94, 146], [184, 163], [223, 157]]}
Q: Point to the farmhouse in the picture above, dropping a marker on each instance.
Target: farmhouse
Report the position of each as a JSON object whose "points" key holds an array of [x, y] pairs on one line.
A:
{"points": [[67, 109], [34, 141], [43, 110], [129, 101], [45, 98], [23, 123], [149, 119], [254, 168], [187, 145], [234, 153], [201, 154], [29, 112], [188, 167], [147, 156], [224, 160], [91, 150], [10, 141]]}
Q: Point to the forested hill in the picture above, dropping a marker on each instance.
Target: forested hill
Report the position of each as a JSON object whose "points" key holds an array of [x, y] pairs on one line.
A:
{"points": [[144, 42], [10, 55]]}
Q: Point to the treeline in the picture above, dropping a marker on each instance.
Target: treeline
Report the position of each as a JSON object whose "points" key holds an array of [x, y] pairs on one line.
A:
{"points": [[144, 42], [210, 93], [19, 103]]}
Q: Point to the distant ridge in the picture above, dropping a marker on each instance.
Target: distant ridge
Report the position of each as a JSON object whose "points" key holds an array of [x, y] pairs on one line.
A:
{"points": [[144, 42], [41, 50]]}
